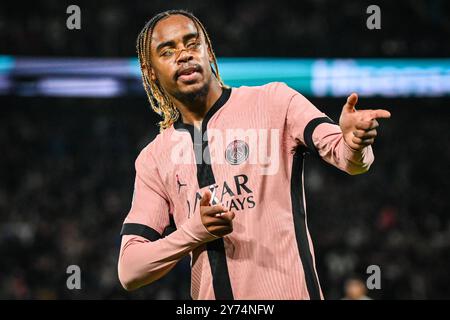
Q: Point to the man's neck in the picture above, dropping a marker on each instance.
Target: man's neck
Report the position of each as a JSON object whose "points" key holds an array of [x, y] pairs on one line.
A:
{"points": [[194, 111]]}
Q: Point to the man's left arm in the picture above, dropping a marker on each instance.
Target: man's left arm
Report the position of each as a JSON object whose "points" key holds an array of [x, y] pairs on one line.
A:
{"points": [[346, 145]]}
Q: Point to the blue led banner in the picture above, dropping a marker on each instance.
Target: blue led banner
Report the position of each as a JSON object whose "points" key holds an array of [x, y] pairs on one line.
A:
{"points": [[95, 77]]}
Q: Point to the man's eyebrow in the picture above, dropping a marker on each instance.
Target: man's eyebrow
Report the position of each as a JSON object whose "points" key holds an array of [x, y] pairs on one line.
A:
{"points": [[171, 43], [190, 36]]}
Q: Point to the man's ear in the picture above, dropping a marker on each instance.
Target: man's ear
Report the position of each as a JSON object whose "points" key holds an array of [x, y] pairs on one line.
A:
{"points": [[149, 72], [210, 55], [153, 75]]}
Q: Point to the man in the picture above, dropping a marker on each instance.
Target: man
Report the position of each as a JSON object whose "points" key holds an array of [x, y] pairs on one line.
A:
{"points": [[243, 221], [355, 289]]}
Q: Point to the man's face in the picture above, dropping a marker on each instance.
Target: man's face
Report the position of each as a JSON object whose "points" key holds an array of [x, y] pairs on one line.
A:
{"points": [[180, 58]]}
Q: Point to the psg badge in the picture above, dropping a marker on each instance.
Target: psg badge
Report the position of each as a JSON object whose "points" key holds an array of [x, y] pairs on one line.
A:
{"points": [[237, 152]]}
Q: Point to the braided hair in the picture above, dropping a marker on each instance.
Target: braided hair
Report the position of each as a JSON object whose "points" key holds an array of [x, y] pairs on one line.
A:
{"points": [[157, 96]]}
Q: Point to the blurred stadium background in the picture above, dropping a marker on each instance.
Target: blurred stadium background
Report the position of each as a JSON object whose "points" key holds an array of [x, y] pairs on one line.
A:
{"points": [[74, 116]]}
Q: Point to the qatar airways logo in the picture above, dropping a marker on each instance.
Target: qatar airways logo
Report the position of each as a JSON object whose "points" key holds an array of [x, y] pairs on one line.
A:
{"points": [[235, 194], [234, 147]]}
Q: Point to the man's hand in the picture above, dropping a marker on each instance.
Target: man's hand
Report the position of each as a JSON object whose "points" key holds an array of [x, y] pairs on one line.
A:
{"points": [[217, 219], [359, 126]]}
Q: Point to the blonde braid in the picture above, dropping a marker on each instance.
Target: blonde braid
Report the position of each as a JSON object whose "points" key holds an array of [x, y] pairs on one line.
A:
{"points": [[157, 96]]}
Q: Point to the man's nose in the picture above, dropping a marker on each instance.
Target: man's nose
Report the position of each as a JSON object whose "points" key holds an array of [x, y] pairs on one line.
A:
{"points": [[184, 56]]}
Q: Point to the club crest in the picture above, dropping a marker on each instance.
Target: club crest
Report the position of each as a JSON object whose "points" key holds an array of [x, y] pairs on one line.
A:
{"points": [[236, 152]]}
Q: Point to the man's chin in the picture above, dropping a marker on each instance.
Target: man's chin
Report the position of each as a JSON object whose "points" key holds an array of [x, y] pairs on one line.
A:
{"points": [[190, 86], [192, 91]]}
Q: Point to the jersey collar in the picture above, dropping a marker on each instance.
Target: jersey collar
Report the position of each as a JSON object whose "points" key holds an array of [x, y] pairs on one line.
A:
{"points": [[180, 125]]}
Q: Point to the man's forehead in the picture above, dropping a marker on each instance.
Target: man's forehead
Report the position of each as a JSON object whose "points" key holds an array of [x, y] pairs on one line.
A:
{"points": [[172, 27]]}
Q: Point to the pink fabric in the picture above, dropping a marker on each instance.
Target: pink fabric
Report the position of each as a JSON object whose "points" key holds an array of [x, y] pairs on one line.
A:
{"points": [[262, 253]]}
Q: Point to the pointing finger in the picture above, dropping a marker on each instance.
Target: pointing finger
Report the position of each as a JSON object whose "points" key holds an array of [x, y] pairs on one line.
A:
{"points": [[380, 113]]}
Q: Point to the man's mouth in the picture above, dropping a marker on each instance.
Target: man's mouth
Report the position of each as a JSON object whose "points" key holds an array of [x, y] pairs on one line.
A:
{"points": [[188, 74]]}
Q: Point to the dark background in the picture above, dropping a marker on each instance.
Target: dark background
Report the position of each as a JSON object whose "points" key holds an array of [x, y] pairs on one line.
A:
{"points": [[280, 28], [67, 164]]}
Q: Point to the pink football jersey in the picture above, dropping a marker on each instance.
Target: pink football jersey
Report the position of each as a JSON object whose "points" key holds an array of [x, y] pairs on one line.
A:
{"points": [[249, 153]]}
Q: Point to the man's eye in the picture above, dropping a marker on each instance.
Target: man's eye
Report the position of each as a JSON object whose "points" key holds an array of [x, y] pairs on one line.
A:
{"points": [[193, 45], [167, 53]]}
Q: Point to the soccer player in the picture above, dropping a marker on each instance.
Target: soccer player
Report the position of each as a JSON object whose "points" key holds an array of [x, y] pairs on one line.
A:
{"points": [[241, 216]]}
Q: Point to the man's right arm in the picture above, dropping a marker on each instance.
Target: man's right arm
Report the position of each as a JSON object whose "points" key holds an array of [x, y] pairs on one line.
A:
{"points": [[145, 255], [143, 261]]}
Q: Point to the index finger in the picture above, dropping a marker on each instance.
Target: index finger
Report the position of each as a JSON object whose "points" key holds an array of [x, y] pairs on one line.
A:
{"points": [[380, 113]]}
